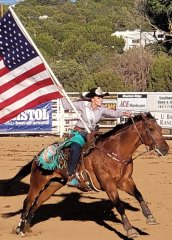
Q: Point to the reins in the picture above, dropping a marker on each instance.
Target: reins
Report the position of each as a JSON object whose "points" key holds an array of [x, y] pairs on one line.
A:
{"points": [[139, 135], [147, 149], [141, 129], [113, 155]]}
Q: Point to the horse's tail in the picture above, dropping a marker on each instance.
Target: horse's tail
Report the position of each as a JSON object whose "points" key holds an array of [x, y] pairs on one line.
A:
{"points": [[23, 172]]}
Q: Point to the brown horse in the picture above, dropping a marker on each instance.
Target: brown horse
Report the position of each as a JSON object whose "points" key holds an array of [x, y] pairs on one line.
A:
{"points": [[110, 167]]}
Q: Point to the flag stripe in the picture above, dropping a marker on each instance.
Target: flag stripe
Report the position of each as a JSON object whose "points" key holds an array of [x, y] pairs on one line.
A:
{"points": [[4, 71], [30, 104], [22, 77], [29, 98], [25, 92], [28, 82], [20, 70]]}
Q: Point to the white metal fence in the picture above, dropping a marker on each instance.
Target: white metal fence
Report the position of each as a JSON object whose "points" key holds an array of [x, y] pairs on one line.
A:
{"points": [[159, 104]]}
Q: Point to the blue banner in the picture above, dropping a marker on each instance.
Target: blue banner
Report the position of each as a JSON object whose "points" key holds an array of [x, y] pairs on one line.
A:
{"points": [[38, 119]]}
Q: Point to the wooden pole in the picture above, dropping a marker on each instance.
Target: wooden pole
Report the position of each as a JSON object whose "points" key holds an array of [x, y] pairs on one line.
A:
{"points": [[2, 10]]}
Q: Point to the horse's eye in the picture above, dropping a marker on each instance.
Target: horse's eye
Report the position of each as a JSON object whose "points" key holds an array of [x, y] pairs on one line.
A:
{"points": [[151, 128]]}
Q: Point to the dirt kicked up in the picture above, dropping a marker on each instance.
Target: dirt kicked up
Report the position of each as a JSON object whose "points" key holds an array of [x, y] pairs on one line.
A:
{"points": [[73, 215]]}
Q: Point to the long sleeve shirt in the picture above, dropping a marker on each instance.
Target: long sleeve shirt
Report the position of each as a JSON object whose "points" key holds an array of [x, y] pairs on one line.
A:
{"points": [[90, 116]]}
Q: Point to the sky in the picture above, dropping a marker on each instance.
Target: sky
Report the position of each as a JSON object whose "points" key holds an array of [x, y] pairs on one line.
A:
{"points": [[10, 1], [16, 1]]}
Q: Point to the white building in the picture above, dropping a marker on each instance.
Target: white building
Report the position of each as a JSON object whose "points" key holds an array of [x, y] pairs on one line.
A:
{"points": [[138, 38], [43, 17]]}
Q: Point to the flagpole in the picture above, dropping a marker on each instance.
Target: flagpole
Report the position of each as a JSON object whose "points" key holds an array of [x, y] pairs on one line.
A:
{"points": [[2, 9], [55, 80]]}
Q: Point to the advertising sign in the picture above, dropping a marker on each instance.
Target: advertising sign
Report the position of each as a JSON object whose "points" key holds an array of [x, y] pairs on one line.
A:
{"points": [[110, 101], [38, 119], [132, 102], [160, 102], [163, 119]]}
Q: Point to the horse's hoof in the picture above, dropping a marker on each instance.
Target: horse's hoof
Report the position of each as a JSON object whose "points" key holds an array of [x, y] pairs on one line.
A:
{"points": [[132, 233], [151, 220], [19, 232]]}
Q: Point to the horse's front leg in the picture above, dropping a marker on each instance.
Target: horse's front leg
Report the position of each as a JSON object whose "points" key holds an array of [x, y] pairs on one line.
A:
{"points": [[108, 184], [129, 186]]}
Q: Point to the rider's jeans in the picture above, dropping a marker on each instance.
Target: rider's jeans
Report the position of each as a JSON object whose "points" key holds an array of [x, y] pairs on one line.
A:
{"points": [[75, 151]]}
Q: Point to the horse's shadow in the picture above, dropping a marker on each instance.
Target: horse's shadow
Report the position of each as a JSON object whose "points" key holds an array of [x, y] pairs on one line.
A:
{"points": [[17, 189], [71, 208]]}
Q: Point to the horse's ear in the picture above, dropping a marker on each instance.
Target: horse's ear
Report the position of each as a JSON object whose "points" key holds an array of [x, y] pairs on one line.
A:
{"points": [[143, 115], [146, 115], [149, 115]]}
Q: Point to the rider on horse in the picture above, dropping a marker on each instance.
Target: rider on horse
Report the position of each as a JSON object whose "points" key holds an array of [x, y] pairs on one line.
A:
{"points": [[91, 111]]}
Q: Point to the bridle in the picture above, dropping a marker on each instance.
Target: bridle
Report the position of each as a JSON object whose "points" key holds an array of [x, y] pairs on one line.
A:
{"points": [[149, 136]]}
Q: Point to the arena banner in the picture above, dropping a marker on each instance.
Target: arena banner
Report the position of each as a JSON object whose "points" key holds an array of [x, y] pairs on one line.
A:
{"points": [[132, 102], [161, 102], [164, 119], [38, 119]]}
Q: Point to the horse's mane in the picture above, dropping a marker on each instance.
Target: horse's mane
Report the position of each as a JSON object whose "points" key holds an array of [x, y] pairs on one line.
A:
{"points": [[122, 126]]}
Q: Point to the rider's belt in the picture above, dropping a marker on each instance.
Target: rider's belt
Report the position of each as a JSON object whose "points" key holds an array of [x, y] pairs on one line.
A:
{"points": [[79, 129]]}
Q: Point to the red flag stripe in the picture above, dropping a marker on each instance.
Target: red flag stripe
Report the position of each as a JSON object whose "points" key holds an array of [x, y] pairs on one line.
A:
{"points": [[4, 71]]}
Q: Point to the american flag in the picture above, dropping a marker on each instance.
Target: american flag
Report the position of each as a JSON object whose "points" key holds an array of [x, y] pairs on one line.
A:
{"points": [[24, 80]]}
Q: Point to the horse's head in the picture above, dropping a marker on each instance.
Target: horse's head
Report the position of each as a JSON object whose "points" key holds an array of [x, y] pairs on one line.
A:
{"points": [[152, 135]]}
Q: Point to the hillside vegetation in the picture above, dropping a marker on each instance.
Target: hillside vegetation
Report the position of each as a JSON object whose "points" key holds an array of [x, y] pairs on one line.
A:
{"points": [[76, 41]]}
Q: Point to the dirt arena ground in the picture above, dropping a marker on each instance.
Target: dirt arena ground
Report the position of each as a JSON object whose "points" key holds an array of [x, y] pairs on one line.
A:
{"points": [[73, 215]]}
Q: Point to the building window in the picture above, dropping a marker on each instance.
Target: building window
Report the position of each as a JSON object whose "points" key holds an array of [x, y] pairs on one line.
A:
{"points": [[135, 40]]}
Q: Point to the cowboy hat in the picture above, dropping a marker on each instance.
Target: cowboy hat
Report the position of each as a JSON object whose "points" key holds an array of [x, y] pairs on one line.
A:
{"points": [[96, 92]]}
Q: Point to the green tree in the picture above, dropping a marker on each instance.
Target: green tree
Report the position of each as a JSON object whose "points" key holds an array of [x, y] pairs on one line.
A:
{"points": [[161, 12], [158, 13], [107, 80], [161, 74], [92, 55], [47, 43], [76, 41], [70, 74], [133, 68]]}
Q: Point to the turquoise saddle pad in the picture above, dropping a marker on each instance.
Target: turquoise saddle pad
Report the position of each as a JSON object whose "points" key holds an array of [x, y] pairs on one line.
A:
{"points": [[52, 156]]}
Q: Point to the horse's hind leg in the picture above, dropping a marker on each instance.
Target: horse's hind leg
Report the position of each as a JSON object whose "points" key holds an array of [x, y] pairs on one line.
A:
{"points": [[43, 196], [27, 204], [129, 186]]}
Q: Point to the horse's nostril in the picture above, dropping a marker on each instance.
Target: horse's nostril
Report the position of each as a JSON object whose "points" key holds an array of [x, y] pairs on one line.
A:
{"points": [[165, 150]]}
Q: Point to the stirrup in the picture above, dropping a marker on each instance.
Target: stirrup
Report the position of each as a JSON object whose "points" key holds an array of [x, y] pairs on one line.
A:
{"points": [[74, 182]]}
